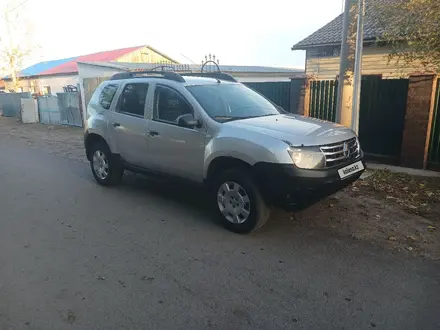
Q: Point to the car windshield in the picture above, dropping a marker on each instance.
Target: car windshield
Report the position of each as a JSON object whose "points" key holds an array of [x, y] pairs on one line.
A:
{"points": [[225, 102]]}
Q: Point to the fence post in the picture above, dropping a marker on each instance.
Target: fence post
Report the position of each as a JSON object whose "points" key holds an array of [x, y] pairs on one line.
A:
{"points": [[307, 83], [435, 83]]}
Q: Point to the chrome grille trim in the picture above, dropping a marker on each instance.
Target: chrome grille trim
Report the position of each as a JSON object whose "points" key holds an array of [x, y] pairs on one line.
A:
{"points": [[334, 153]]}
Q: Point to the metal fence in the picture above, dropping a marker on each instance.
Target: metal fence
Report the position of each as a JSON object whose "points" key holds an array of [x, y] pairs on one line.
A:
{"points": [[434, 145], [382, 117], [10, 103], [70, 110], [382, 112], [63, 109], [278, 92], [323, 97]]}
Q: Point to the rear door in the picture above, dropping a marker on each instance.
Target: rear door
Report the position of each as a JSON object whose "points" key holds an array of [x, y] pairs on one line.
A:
{"points": [[128, 124]]}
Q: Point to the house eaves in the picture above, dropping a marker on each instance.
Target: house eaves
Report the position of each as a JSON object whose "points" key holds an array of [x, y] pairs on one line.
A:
{"points": [[331, 33]]}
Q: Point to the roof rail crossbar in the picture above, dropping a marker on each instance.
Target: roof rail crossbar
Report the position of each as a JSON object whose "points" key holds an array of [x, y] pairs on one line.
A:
{"points": [[135, 74], [216, 75]]}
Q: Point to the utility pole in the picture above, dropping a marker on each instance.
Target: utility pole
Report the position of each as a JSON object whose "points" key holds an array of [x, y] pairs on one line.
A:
{"points": [[345, 87], [358, 66]]}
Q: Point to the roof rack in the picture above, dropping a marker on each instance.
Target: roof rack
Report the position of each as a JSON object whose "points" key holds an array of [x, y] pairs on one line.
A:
{"points": [[216, 75], [139, 74]]}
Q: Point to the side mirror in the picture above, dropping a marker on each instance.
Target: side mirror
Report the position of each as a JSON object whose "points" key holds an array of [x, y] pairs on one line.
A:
{"points": [[188, 121]]}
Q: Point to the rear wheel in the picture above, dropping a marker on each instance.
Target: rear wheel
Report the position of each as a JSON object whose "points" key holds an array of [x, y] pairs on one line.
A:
{"points": [[106, 169], [239, 203]]}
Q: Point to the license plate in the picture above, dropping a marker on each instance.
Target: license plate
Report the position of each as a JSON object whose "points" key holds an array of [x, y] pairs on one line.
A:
{"points": [[350, 169]]}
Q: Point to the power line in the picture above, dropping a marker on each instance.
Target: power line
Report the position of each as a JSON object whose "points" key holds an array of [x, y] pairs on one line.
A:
{"points": [[188, 58]]}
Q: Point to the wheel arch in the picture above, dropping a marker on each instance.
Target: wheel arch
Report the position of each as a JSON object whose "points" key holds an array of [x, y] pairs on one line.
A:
{"points": [[223, 163], [90, 140]]}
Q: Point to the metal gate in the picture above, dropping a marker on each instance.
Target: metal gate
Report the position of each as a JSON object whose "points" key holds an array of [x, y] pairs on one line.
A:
{"points": [[382, 116], [277, 92], [434, 145], [323, 99]]}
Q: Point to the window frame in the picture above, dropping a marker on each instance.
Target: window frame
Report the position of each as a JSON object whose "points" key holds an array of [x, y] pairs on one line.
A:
{"points": [[154, 105], [121, 94]]}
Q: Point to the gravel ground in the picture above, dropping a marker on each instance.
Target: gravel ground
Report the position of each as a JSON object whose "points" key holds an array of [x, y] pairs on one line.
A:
{"points": [[363, 212], [65, 141]]}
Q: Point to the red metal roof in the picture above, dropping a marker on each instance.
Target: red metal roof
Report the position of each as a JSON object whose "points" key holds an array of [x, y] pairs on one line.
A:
{"points": [[72, 67]]}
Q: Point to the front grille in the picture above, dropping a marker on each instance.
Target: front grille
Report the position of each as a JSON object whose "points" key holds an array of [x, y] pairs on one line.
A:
{"points": [[335, 155]]}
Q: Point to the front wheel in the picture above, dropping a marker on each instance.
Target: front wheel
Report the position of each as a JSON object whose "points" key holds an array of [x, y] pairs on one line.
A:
{"points": [[105, 168], [240, 205]]}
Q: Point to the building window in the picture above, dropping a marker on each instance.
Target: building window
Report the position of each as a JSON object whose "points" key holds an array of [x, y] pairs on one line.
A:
{"points": [[46, 90], [329, 51]]}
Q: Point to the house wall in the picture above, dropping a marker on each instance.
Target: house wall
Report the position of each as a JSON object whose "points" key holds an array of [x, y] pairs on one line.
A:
{"points": [[55, 83], [260, 77], [144, 55], [87, 71], [323, 66]]}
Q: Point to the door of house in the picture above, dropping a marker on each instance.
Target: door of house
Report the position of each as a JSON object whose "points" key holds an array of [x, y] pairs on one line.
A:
{"points": [[382, 116]]}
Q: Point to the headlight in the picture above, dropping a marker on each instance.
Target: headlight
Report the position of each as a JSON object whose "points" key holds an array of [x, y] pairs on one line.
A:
{"points": [[307, 158], [358, 145]]}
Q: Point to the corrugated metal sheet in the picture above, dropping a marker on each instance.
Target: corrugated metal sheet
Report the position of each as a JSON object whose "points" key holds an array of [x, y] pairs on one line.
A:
{"points": [[277, 92], [44, 66], [10, 103], [68, 65], [48, 110], [70, 113], [71, 66], [63, 109]]}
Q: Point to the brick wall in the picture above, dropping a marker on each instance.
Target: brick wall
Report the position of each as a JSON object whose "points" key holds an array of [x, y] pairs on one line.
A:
{"points": [[416, 121]]}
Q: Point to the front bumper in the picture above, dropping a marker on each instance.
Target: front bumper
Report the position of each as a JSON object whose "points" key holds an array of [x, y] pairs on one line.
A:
{"points": [[291, 188]]}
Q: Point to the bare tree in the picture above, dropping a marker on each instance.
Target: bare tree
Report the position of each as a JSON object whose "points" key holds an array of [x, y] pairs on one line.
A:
{"points": [[15, 41]]}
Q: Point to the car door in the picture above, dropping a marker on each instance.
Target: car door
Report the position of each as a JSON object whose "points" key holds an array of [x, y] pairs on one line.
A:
{"points": [[173, 149], [128, 124]]}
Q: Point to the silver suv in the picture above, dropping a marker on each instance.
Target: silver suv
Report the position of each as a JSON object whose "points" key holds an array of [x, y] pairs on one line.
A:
{"points": [[210, 129]]}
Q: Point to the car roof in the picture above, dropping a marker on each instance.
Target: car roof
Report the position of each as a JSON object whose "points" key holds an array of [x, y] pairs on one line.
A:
{"points": [[189, 80]]}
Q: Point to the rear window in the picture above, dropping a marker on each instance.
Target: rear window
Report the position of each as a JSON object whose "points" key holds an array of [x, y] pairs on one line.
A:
{"points": [[107, 94]]}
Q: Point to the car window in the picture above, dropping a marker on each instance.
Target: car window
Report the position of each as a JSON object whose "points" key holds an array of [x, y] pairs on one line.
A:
{"points": [[225, 102], [132, 99], [169, 105], [107, 94]]}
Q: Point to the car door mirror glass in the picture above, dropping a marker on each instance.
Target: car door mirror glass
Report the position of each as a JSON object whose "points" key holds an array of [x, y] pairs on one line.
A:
{"points": [[187, 120]]}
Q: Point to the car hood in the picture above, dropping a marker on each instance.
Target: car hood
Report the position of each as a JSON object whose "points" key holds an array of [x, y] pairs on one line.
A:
{"points": [[295, 129]]}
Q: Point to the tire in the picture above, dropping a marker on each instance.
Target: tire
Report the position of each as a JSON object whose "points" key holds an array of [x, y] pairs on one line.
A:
{"points": [[238, 180], [100, 152]]}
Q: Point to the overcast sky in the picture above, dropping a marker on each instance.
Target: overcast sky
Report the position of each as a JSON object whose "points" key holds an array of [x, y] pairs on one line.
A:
{"points": [[242, 32]]}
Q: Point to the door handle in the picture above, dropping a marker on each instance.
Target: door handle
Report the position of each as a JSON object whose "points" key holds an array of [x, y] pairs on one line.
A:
{"points": [[116, 124], [153, 133]]}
